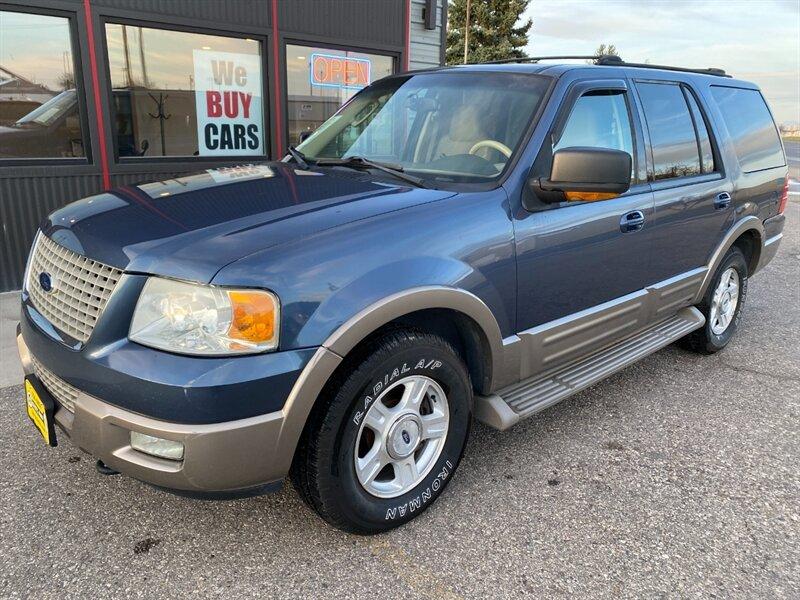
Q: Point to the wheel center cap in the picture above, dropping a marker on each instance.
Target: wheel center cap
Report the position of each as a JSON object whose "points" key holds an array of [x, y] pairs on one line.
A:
{"points": [[404, 436], [726, 301]]}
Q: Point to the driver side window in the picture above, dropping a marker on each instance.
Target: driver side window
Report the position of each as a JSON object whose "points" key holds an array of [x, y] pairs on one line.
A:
{"points": [[599, 119]]}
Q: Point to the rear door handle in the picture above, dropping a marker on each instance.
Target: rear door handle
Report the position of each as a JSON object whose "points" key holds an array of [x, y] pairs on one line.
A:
{"points": [[632, 221], [722, 201]]}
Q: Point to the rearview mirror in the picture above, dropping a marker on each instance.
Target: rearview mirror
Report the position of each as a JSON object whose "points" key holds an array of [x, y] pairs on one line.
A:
{"points": [[600, 171]]}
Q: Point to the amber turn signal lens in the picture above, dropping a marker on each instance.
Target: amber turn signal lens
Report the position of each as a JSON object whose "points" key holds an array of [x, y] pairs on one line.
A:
{"points": [[253, 316], [588, 196]]}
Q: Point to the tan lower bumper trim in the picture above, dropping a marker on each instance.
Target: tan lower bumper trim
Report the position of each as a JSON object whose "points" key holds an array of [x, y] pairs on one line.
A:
{"points": [[218, 457]]}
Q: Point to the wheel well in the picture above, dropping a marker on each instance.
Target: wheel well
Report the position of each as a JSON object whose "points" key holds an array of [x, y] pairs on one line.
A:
{"points": [[750, 245], [457, 328]]}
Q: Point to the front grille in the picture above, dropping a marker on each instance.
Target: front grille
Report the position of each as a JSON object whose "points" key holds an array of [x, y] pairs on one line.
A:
{"points": [[63, 392], [81, 287]]}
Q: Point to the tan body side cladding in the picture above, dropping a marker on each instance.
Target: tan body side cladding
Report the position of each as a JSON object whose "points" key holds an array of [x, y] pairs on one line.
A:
{"points": [[516, 402]]}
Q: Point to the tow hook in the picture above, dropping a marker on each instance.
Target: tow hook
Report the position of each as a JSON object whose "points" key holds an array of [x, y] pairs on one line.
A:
{"points": [[104, 469]]}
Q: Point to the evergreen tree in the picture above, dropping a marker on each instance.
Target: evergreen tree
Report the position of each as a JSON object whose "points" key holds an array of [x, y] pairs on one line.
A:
{"points": [[605, 50], [493, 34]]}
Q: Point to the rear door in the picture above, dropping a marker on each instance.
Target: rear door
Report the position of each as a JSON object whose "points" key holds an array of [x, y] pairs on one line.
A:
{"points": [[755, 156], [578, 255], [693, 198]]}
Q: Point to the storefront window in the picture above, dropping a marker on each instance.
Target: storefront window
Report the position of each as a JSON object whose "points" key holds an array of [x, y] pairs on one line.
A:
{"points": [[319, 81], [185, 94], [39, 112]]}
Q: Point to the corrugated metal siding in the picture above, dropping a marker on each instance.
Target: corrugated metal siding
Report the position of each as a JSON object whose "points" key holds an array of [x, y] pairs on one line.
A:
{"points": [[24, 202], [426, 44], [27, 196], [245, 12], [353, 22]]}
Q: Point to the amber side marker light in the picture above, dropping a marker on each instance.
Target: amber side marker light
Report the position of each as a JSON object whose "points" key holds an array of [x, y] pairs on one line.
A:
{"points": [[589, 196]]}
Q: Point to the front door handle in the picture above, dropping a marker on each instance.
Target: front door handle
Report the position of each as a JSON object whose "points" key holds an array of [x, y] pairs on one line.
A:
{"points": [[722, 201], [632, 221]]}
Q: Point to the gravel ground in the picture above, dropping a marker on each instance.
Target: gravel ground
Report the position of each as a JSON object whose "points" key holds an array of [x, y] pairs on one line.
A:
{"points": [[677, 477]]}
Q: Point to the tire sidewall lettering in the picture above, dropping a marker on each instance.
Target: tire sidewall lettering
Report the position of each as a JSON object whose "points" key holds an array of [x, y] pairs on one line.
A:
{"points": [[417, 502], [422, 366], [437, 365]]}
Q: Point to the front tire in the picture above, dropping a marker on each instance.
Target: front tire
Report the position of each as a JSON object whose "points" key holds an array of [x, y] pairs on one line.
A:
{"points": [[387, 434], [722, 305]]}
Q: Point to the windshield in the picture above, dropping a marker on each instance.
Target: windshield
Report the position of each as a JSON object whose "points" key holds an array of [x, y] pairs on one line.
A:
{"points": [[47, 113], [457, 127]]}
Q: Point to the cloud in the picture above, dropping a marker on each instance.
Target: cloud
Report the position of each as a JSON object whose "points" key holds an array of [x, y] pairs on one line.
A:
{"points": [[754, 40]]}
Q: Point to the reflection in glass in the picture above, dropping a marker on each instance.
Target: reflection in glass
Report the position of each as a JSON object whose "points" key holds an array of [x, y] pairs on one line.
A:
{"points": [[755, 137], [39, 114], [460, 127], [706, 153], [156, 97], [319, 81], [671, 129], [598, 120]]}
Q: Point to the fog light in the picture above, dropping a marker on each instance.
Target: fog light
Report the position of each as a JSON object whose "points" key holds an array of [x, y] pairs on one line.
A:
{"points": [[156, 446]]}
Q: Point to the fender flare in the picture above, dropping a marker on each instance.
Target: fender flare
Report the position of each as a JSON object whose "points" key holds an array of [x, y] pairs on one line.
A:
{"points": [[749, 223], [329, 356], [358, 327]]}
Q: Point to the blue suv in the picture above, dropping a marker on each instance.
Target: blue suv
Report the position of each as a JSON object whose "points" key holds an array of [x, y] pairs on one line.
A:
{"points": [[471, 242]]}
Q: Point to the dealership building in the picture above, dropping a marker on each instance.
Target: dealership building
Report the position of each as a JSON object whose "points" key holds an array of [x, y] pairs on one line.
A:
{"points": [[105, 93]]}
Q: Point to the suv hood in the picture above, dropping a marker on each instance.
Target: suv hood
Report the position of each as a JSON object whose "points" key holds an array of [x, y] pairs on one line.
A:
{"points": [[192, 226]]}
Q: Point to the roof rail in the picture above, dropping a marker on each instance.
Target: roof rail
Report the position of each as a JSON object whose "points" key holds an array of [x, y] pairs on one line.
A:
{"points": [[608, 60], [535, 59]]}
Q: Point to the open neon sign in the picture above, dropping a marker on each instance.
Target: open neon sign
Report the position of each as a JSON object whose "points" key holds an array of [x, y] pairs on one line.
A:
{"points": [[329, 70]]}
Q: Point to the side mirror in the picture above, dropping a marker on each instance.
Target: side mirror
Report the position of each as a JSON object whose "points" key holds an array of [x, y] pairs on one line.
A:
{"points": [[600, 171]]}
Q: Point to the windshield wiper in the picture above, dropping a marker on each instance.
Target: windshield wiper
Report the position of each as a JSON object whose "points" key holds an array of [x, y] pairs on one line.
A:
{"points": [[299, 158], [359, 162]]}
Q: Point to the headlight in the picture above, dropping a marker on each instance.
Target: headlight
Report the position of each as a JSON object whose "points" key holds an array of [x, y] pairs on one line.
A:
{"points": [[190, 318]]}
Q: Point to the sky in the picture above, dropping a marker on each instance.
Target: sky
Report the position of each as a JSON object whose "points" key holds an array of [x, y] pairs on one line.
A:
{"points": [[756, 40], [44, 62]]}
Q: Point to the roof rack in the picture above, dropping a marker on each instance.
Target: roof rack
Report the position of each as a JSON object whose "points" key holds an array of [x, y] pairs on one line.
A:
{"points": [[611, 60], [608, 60], [535, 59]]}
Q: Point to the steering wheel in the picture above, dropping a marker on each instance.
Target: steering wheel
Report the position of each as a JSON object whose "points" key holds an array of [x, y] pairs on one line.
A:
{"points": [[494, 145]]}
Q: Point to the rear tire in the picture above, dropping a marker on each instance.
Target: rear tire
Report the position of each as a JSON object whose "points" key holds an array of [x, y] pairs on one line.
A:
{"points": [[720, 306], [405, 400]]}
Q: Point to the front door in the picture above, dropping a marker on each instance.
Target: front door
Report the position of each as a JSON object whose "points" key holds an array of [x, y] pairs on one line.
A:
{"points": [[582, 265]]}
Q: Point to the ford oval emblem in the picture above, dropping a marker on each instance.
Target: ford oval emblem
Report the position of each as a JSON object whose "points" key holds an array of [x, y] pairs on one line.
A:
{"points": [[46, 281]]}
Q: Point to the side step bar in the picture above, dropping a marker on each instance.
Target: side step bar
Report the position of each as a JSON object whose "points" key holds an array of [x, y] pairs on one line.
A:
{"points": [[519, 401]]}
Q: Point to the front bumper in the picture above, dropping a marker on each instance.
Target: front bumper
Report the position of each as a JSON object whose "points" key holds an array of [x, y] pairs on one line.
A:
{"points": [[230, 457]]}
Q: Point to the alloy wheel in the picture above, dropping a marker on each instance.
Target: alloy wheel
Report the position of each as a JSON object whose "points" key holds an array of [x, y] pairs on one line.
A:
{"points": [[401, 436], [724, 301]]}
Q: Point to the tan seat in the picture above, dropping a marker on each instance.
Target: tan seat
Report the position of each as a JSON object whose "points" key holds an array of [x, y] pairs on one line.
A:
{"points": [[466, 129]]}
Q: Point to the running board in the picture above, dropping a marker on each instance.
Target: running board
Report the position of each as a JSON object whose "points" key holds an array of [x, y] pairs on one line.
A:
{"points": [[524, 399]]}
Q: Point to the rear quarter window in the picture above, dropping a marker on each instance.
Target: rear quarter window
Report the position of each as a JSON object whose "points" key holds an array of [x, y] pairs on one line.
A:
{"points": [[750, 125]]}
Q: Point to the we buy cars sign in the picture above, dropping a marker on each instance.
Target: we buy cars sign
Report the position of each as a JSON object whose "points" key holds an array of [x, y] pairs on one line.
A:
{"points": [[230, 116]]}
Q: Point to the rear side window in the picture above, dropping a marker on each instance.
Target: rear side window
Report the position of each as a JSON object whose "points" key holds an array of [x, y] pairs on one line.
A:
{"points": [[672, 133], [755, 137], [703, 139]]}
